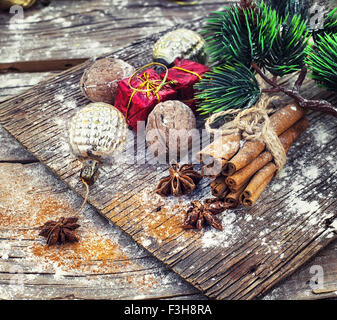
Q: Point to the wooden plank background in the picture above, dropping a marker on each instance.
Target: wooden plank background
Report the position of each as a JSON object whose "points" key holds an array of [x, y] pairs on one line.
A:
{"points": [[244, 268], [296, 287], [68, 32]]}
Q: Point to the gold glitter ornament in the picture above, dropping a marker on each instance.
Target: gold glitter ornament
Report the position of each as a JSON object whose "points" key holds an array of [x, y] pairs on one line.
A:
{"points": [[6, 4], [180, 43], [96, 131]]}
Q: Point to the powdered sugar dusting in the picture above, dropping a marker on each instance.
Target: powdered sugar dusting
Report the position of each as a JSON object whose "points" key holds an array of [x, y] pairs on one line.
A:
{"points": [[225, 238], [311, 172], [103, 250]]}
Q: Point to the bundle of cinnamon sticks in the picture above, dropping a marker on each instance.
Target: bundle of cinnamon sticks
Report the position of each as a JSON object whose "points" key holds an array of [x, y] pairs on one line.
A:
{"points": [[243, 169]]}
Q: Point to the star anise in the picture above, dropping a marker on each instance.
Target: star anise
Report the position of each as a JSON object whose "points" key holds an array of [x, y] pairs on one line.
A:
{"points": [[198, 215], [182, 180], [60, 231]]}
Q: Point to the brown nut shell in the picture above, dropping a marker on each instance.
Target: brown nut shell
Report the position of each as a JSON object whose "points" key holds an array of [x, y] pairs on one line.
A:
{"points": [[99, 82], [170, 128]]}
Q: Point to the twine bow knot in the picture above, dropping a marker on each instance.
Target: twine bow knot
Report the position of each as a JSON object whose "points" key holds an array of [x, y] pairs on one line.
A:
{"points": [[253, 124]]}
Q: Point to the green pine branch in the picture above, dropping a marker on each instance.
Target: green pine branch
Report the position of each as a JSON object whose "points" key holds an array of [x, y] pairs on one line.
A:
{"points": [[288, 50], [243, 35], [290, 7], [329, 26], [244, 40], [322, 61], [227, 87]]}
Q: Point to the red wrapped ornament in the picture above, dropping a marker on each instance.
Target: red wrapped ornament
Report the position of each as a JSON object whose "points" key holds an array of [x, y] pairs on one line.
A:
{"points": [[138, 95], [186, 74]]}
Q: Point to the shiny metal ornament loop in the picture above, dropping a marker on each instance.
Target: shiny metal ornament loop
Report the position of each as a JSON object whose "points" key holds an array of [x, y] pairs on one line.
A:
{"points": [[96, 131]]}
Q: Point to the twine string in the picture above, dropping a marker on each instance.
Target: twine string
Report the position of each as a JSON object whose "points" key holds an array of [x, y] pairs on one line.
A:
{"points": [[85, 197], [252, 124]]}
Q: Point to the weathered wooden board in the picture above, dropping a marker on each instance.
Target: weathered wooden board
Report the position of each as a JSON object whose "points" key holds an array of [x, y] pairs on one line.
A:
{"points": [[257, 248], [12, 84], [66, 33], [30, 192], [148, 279], [106, 264]]}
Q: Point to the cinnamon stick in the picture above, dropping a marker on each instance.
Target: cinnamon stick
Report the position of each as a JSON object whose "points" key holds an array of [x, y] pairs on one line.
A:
{"points": [[266, 175], [216, 154], [213, 170], [219, 187], [293, 133], [244, 174], [287, 138], [261, 179], [236, 188], [233, 198], [280, 121]]}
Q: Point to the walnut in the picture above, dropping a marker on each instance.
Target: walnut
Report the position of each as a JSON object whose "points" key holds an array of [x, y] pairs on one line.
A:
{"points": [[99, 82], [170, 129]]}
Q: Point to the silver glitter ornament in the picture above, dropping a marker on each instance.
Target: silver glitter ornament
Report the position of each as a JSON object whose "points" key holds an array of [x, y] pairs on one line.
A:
{"points": [[180, 43], [96, 131]]}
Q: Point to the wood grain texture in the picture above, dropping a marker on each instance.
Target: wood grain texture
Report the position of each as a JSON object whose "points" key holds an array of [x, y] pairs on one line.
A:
{"points": [[295, 287], [263, 245], [15, 83], [143, 277], [106, 264], [12, 84], [61, 34]]}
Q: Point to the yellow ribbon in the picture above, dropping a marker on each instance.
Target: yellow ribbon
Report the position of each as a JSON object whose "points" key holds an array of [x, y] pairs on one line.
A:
{"points": [[188, 71], [151, 86], [182, 3]]}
